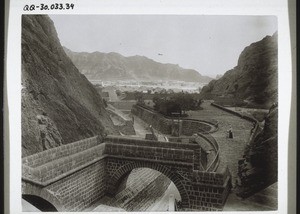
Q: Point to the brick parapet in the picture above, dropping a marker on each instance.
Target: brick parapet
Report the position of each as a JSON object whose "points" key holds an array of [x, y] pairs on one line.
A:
{"points": [[57, 169], [148, 152], [59, 152], [152, 143], [211, 178]]}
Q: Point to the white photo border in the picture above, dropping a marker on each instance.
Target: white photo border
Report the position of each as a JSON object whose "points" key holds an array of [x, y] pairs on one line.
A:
{"points": [[278, 8]]}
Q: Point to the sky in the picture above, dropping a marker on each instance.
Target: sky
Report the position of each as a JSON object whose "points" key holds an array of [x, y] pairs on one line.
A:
{"points": [[209, 44]]}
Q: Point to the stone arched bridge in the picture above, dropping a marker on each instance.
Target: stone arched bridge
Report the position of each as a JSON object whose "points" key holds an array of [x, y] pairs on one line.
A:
{"points": [[74, 176]]}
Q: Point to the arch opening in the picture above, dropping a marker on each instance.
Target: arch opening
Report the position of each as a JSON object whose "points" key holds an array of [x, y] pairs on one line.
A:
{"points": [[39, 203], [120, 176], [145, 189]]}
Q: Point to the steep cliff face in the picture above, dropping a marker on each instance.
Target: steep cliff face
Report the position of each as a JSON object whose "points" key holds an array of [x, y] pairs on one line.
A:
{"points": [[114, 66], [254, 79], [258, 169], [59, 105]]}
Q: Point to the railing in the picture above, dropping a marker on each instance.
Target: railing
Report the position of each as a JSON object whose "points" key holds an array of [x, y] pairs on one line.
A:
{"points": [[216, 161], [254, 133]]}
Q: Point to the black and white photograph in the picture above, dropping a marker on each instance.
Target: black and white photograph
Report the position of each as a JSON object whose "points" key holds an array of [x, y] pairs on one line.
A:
{"points": [[149, 113]]}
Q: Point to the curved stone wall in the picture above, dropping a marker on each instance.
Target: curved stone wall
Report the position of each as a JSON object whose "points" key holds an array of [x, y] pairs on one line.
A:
{"points": [[166, 124]]}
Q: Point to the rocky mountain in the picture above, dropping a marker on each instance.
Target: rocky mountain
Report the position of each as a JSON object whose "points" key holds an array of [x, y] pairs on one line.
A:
{"points": [[254, 79], [114, 66], [258, 168], [59, 105]]}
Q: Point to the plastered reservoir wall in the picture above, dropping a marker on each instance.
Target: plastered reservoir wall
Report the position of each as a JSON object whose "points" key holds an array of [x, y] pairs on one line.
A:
{"points": [[164, 124]]}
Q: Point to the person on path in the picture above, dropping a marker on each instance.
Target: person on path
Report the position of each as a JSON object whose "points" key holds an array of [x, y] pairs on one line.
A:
{"points": [[230, 133]]}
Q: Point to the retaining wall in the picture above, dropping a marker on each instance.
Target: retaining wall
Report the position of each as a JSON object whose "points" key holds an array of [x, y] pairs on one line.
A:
{"points": [[210, 190], [74, 192]]}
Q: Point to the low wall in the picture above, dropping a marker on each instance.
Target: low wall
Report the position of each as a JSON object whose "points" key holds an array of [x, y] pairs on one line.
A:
{"points": [[58, 152], [234, 113], [58, 166]]}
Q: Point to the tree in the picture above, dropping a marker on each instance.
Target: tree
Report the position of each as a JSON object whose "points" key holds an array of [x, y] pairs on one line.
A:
{"points": [[176, 103], [138, 96]]}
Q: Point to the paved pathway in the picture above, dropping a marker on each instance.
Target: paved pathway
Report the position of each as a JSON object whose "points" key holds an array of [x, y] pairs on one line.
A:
{"points": [[231, 150]]}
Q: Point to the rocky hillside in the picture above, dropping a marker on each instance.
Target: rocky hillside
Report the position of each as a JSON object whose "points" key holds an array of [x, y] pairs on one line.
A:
{"points": [[258, 168], [59, 105], [254, 79], [114, 66]]}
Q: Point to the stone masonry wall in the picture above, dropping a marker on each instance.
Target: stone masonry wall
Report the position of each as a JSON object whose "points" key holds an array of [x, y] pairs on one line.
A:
{"points": [[74, 192], [209, 191], [76, 181], [160, 151], [199, 190], [157, 121], [39, 159], [54, 170], [81, 189]]}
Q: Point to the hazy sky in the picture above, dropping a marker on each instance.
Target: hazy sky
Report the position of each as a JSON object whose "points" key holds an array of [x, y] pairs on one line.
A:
{"points": [[209, 44]]}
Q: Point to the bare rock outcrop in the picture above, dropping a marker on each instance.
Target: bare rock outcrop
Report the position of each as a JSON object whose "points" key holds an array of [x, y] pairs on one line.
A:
{"points": [[254, 79], [258, 168], [114, 66], [59, 105]]}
